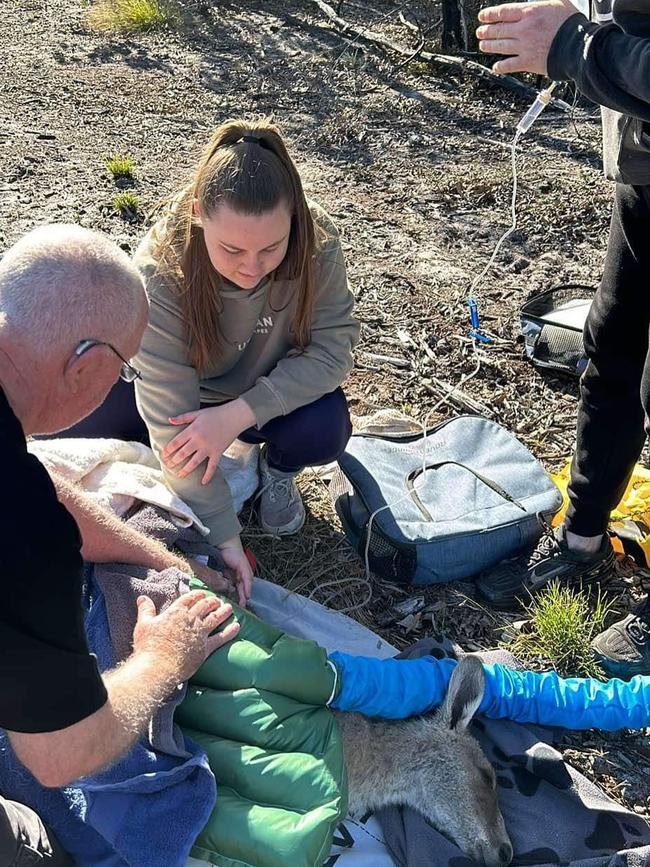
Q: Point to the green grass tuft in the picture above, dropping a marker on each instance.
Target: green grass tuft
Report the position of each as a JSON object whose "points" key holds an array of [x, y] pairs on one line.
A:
{"points": [[120, 167], [126, 203], [128, 16], [563, 622]]}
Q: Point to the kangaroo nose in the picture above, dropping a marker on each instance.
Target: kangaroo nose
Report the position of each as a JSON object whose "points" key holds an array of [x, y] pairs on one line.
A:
{"points": [[505, 854]]}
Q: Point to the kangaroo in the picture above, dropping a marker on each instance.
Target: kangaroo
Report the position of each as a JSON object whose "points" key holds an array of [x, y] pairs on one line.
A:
{"points": [[434, 765]]}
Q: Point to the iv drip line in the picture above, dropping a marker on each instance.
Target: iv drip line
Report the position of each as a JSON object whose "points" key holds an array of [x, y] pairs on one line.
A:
{"points": [[478, 336]]}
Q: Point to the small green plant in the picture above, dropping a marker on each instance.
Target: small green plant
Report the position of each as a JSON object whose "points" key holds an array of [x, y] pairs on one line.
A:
{"points": [[120, 167], [127, 204], [417, 67], [128, 16], [563, 622]]}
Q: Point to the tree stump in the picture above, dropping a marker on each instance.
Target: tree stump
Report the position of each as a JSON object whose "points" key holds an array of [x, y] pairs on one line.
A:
{"points": [[459, 23]]}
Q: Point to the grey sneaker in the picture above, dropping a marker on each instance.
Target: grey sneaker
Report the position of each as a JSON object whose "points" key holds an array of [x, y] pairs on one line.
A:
{"points": [[623, 650], [281, 511]]}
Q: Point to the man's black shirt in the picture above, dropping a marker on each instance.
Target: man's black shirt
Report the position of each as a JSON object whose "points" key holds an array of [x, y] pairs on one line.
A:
{"points": [[48, 679]]}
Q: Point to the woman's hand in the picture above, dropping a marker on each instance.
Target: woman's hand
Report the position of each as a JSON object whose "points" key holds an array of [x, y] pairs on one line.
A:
{"points": [[208, 434], [217, 581], [241, 572]]}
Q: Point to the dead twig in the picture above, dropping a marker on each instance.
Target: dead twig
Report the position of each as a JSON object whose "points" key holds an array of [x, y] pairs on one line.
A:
{"points": [[390, 359], [414, 28], [458, 397], [411, 57], [443, 61]]}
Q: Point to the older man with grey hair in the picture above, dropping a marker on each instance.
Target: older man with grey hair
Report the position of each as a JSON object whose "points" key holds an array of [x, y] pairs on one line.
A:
{"points": [[72, 312]]}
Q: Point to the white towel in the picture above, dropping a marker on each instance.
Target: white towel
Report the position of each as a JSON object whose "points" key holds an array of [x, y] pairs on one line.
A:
{"points": [[117, 474]]}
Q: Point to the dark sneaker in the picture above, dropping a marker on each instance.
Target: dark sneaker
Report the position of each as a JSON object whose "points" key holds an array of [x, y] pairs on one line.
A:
{"points": [[521, 577], [623, 650]]}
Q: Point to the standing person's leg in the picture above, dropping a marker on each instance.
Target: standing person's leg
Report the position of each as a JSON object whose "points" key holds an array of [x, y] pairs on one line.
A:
{"points": [[310, 436], [25, 841], [624, 649], [610, 431], [117, 418]]}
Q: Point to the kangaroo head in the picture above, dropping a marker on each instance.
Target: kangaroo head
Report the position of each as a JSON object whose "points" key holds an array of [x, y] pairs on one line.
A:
{"points": [[458, 794]]}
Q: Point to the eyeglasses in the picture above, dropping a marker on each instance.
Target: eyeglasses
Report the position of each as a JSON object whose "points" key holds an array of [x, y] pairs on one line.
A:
{"points": [[128, 372]]}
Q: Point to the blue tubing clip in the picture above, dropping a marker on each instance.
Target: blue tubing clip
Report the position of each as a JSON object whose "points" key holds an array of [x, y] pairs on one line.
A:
{"points": [[476, 332]]}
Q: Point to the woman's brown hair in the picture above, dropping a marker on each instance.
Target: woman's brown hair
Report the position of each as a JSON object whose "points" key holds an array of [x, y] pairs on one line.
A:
{"points": [[245, 165]]}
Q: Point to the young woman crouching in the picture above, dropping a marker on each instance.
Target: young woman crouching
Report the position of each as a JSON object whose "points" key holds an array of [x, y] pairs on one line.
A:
{"points": [[250, 334]]}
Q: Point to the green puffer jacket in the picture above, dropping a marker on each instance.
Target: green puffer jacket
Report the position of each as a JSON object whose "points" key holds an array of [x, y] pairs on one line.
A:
{"points": [[257, 707]]}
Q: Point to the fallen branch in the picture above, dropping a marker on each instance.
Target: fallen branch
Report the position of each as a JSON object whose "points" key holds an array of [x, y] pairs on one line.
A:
{"points": [[458, 397], [443, 61], [390, 359]]}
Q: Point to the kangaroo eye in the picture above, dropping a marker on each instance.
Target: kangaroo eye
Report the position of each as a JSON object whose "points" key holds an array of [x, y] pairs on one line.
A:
{"points": [[488, 778]]}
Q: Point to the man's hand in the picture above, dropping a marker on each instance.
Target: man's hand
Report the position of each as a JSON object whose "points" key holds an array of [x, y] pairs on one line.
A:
{"points": [[523, 30], [167, 649], [180, 636]]}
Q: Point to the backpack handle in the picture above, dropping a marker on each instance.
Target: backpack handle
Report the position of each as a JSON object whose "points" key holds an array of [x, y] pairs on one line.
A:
{"points": [[418, 471]]}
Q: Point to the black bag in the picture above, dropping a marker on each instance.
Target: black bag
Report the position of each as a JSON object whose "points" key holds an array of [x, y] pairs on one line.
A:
{"points": [[552, 325]]}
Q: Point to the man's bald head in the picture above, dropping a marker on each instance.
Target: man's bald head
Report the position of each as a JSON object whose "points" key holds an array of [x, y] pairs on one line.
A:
{"points": [[61, 283]]}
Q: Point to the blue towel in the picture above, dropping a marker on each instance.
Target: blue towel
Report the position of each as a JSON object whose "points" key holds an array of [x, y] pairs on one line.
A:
{"points": [[145, 810]]}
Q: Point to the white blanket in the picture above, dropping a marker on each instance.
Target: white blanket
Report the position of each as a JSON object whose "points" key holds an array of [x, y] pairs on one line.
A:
{"points": [[117, 474]]}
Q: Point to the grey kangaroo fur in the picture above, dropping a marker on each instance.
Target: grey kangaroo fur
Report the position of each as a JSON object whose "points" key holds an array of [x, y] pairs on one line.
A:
{"points": [[434, 765]]}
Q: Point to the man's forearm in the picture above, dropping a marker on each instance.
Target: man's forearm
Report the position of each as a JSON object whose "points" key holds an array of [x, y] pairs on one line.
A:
{"points": [[610, 67], [136, 690], [107, 539]]}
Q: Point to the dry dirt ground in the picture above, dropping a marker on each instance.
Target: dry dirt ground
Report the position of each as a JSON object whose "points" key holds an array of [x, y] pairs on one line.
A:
{"points": [[414, 166]]}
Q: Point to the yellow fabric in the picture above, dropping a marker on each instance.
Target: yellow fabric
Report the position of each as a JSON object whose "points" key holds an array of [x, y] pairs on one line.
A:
{"points": [[634, 506]]}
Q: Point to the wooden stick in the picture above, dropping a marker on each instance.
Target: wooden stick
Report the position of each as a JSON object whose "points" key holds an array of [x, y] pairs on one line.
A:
{"points": [[389, 359], [455, 395], [443, 61]]}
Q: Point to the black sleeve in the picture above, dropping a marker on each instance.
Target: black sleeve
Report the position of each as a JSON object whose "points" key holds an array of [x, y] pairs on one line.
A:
{"points": [[48, 678], [608, 66]]}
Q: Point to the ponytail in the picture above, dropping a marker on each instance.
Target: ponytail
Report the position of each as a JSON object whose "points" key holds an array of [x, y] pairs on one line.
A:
{"points": [[246, 166]]}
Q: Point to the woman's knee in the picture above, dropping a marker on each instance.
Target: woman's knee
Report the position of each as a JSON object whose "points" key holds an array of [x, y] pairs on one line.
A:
{"points": [[332, 428], [317, 433]]}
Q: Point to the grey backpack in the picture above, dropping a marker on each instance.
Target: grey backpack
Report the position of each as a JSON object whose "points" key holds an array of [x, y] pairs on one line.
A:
{"points": [[467, 502]]}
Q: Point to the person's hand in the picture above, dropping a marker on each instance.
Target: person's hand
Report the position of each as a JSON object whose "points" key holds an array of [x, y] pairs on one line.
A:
{"points": [[220, 583], [180, 636], [208, 434], [234, 556], [523, 30]]}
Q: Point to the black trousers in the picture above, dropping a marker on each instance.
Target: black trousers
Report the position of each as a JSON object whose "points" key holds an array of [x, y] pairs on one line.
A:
{"points": [[117, 417], [615, 387], [25, 841]]}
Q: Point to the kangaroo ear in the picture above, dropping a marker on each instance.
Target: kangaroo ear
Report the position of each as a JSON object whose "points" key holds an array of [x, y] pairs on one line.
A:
{"points": [[464, 695]]}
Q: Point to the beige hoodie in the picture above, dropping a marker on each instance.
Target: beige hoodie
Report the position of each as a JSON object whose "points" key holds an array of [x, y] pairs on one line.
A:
{"points": [[258, 362]]}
